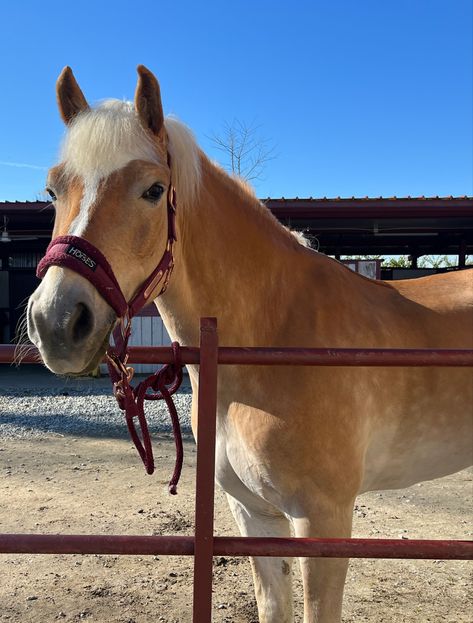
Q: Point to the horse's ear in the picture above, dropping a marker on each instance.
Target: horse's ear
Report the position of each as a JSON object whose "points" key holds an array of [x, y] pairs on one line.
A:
{"points": [[70, 99], [148, 101]]}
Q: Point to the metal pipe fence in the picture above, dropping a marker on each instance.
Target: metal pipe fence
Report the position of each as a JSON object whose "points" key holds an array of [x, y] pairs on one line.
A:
{"points": [[205, 545], [227, 355], [115, 544]]}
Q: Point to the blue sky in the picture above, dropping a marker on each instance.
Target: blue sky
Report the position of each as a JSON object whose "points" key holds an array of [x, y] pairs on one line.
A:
{"points": [[358, 97]]}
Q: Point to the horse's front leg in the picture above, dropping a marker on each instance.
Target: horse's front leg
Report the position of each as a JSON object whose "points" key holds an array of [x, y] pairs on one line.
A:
{"points": [[272, 576], [324, 578]]}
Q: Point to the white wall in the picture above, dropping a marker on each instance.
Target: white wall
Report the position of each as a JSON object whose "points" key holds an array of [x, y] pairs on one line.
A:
{"points": [[145, 331], [148, 331]]}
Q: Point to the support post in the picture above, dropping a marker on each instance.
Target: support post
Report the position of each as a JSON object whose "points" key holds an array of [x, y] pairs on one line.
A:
{"points": [[462, 254], [413, 258], [205, 476]]}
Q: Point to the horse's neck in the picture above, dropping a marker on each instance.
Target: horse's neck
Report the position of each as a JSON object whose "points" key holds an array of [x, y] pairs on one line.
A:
{"points": [[230, 259]]}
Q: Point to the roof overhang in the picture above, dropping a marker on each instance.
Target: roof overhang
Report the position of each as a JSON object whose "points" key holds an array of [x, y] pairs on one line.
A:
{"points": [[340, 226], [414, 226]]}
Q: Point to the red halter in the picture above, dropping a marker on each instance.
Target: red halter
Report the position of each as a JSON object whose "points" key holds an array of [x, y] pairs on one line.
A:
{"points": [[84, 258], [81, 256]]}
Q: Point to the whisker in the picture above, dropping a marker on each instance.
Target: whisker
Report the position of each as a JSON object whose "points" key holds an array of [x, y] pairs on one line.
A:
{"points": [[23, 302], [48, 205], [23, 346], [23, 351]]}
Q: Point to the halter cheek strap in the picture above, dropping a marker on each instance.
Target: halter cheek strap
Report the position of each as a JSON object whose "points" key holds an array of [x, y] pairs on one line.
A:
{"points": [[81, 256]]}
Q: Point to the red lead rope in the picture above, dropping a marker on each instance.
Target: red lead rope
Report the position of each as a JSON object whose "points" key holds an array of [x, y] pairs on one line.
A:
{"points": [[163, 383]]}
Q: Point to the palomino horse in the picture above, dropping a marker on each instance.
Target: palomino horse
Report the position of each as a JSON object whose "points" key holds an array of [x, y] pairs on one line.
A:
{"points": [[295, 446]]}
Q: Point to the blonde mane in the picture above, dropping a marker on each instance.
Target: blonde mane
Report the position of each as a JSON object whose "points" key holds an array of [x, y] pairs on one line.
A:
{"points": [[185, 159], [103, 139]]}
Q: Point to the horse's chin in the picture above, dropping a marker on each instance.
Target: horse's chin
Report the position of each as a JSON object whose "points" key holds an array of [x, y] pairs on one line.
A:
{"points": [[93, 363], [66, 367]]}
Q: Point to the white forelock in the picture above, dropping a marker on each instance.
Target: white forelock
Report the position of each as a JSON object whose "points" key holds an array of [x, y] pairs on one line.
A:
{"points": [[104, 139]]}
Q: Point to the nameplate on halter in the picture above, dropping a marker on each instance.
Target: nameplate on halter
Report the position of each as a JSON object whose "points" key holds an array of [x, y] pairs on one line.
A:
{"points": [[81, 256]]}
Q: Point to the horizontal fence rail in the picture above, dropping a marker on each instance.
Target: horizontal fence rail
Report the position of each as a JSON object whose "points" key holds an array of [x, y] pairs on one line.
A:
{"points": [[235, 546], [227, 355]]}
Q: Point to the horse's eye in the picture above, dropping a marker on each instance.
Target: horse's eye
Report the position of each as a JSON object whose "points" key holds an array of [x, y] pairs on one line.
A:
{"points": [[51, 194], [153, 193]]}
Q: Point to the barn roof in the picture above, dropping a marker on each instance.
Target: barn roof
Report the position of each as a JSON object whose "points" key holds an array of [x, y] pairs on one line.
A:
{"points": [[338, 225]]}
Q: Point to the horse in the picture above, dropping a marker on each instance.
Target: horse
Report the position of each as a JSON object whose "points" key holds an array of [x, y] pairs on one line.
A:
{"points": [[295, 446]]}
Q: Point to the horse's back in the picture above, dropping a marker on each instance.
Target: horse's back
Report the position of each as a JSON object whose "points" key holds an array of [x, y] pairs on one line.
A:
{"points": [[445, 292]]}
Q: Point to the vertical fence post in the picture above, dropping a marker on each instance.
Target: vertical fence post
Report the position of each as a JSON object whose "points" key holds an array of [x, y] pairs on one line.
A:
{"points": [[204, 498]]}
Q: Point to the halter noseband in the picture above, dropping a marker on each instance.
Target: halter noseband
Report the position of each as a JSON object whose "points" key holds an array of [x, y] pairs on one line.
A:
{"points": [[81, 256]]}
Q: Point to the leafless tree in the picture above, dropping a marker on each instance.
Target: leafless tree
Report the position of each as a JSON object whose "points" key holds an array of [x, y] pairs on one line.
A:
{"points": [[246, 153]]}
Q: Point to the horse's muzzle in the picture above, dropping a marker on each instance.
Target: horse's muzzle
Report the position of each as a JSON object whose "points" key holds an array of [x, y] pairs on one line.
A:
{"points": [[67, 325]]}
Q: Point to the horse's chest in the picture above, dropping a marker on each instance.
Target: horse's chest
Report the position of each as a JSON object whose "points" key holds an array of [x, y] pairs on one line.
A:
{"points": [[245, 471], [243, 479]]}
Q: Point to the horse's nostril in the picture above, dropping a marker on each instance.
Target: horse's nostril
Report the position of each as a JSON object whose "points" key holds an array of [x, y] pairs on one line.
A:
{"points": [[82, 323]]}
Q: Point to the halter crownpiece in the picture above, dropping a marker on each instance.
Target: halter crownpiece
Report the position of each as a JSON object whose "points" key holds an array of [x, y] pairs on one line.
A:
{"points": [[81, 256]]}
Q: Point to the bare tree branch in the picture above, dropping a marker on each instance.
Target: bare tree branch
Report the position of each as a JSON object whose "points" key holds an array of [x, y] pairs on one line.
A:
{"points": [[245, 152]]}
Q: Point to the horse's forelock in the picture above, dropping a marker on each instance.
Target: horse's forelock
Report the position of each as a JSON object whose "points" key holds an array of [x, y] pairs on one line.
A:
{"points": [[104, 139]]}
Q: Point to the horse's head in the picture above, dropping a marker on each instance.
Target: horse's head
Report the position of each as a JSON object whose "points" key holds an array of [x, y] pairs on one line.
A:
{"points": [[110, 189]]}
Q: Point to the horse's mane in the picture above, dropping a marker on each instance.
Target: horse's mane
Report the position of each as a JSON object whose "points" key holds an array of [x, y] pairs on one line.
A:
{"points": [[102, 139], [243, 193], [185, 159]]}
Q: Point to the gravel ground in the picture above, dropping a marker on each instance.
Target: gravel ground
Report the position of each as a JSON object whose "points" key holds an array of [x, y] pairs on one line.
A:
{"points": [[76, 408]]}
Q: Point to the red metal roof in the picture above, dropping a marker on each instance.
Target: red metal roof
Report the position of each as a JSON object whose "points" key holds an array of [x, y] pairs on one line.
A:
{"points": [[341, 225], [338, 207], [371, 207]]}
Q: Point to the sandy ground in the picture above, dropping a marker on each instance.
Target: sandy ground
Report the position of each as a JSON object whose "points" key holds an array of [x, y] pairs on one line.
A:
{"points": [[83, 485]]}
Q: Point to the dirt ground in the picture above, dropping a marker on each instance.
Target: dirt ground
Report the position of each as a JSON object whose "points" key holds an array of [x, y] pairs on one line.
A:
{"points": [[69, 485]]}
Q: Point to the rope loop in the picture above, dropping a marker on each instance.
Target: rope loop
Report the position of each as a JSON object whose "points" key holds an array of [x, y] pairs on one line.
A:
{"points": [[163, 383]]}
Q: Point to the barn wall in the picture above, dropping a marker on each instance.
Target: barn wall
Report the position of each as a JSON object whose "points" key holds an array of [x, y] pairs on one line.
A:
{"points": [[148, 331]]}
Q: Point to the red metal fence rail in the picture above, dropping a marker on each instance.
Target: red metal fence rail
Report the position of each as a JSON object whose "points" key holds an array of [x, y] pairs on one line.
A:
{"points": [[227, 355], [114, 544], [204, 545]]}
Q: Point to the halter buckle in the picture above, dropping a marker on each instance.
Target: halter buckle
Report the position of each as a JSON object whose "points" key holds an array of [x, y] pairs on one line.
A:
{"points": [[172, 198]]}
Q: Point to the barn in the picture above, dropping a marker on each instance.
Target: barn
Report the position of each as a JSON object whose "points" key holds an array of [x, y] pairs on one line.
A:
{"points": [[341, 227]]}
